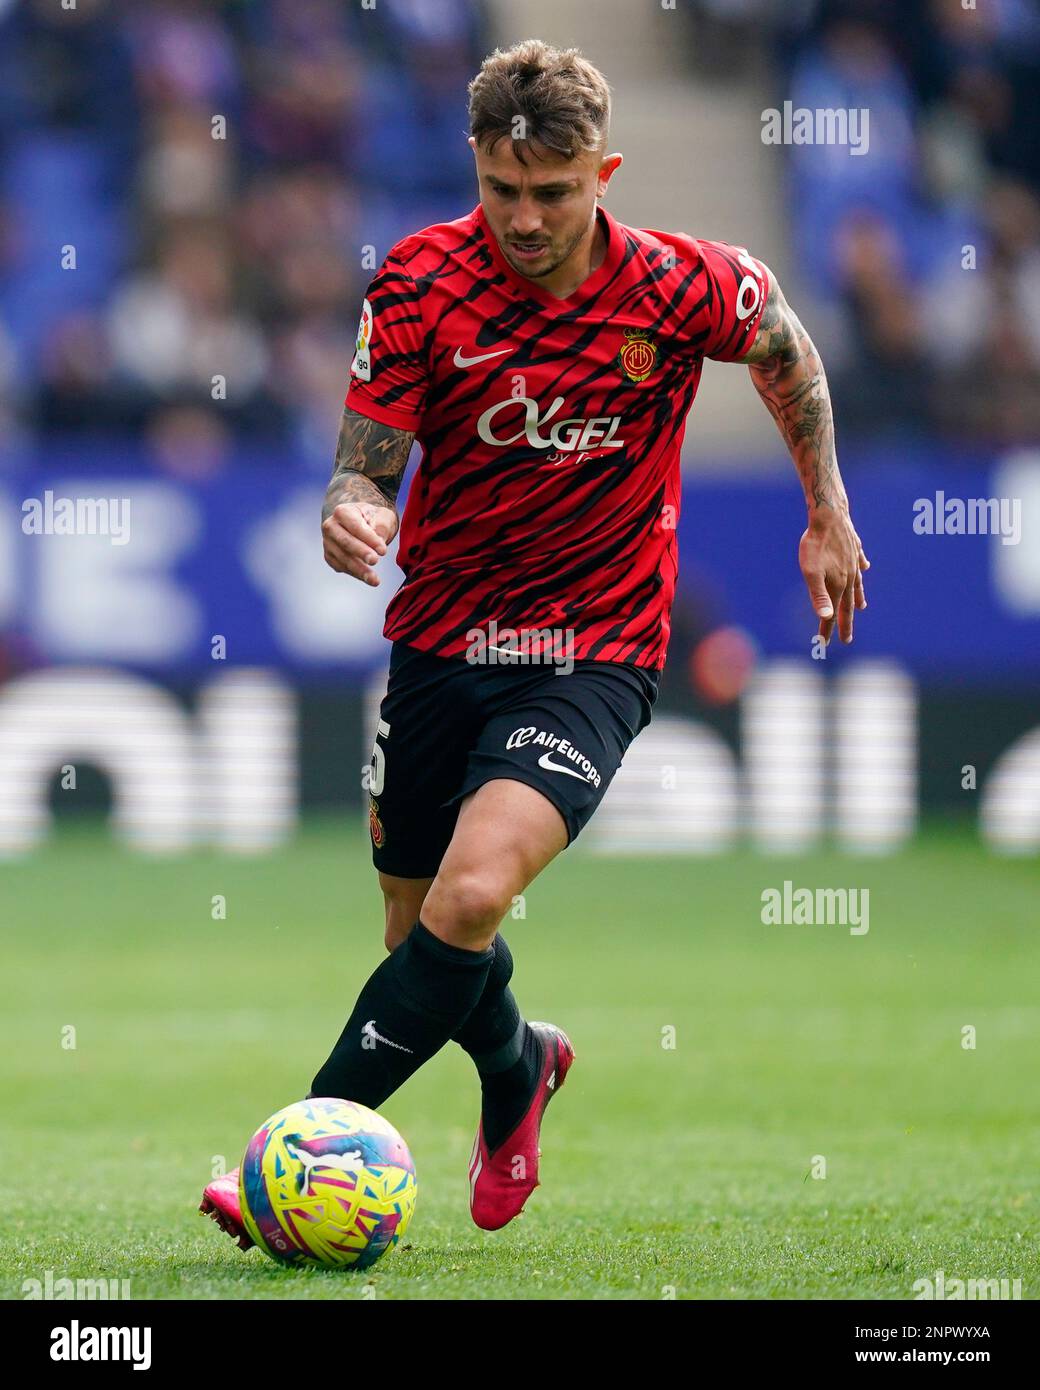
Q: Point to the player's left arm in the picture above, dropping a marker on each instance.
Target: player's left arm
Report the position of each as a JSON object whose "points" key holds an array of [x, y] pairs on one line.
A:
{"points": [[788, 374]]}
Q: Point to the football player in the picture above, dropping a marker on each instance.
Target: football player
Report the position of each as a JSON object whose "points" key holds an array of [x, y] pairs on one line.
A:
{"points": [[544, 356]]}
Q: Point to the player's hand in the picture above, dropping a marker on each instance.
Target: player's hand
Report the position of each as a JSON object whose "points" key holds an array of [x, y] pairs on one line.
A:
{"points": [[833, 564], [355, 535]]}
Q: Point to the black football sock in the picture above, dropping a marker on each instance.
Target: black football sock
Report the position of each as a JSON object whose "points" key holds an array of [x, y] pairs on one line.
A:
{"points": [[506, 1052], [412, 1004]]}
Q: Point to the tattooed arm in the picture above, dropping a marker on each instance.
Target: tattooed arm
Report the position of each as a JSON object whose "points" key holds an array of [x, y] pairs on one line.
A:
{"points": [[789, 376], [359, 516]]}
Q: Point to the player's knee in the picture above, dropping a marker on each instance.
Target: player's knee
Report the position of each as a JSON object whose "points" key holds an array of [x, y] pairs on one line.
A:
{"points": [[465, 906]]}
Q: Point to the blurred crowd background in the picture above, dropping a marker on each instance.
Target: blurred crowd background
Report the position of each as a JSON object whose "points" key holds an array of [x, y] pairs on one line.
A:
{"points": [[928, 249], [246, 255], [240, 255]]}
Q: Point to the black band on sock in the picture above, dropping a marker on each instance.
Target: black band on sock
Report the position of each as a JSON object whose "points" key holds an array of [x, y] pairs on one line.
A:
{"points": [[425, 940], [422, 971], [488, 1063], [491, 1029]]}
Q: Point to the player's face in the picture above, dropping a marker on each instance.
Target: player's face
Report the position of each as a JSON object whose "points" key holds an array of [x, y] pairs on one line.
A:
{"points": [[541, 211]]}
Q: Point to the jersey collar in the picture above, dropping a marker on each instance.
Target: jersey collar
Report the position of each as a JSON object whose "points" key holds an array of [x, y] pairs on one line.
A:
{"points": [[532, 289]]}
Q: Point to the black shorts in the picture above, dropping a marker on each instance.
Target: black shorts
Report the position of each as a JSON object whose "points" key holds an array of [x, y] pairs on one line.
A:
{"points": [[446, 727]]}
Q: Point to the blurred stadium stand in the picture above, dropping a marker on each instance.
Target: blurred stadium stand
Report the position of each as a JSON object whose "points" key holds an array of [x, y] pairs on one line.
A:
{"points": [[345, 128], [197, 256]]}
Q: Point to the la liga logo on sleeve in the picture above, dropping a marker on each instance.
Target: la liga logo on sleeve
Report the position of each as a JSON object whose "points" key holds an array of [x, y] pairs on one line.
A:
{"points": [[362, 364]]}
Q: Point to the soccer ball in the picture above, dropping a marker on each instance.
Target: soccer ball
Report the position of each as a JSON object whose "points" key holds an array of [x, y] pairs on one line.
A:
{"points": [[327, 1182]]}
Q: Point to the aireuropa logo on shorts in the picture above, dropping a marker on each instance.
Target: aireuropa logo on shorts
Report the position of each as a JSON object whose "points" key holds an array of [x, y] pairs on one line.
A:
{"points": [[555, 749], [825, 125], [523, 646], [966, 1289], [77, 516], [83, 1343], [50, 1288], [817, 907], [969, 516]]}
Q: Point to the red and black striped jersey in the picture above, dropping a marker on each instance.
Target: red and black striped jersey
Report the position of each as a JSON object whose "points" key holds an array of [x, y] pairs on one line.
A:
{"points": [[548, 491]]}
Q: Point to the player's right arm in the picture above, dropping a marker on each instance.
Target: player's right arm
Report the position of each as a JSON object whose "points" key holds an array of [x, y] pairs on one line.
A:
{"points": [[389, 377], [359, 517]]}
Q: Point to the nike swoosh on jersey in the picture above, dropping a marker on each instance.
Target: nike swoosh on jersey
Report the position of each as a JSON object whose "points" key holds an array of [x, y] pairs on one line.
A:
{"points": [[546, 761], [461, 361]]}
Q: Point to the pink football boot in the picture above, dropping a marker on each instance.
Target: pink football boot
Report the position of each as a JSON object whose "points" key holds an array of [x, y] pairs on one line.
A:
{"points": [[220, 1201], [500, 1183]]}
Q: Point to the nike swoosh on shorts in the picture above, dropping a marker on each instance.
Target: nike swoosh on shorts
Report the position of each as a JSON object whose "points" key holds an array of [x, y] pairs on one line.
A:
{"points": [[546, 761]]}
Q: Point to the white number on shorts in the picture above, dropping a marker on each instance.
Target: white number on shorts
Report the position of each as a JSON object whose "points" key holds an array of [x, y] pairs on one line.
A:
{"points": [[375, 785]]}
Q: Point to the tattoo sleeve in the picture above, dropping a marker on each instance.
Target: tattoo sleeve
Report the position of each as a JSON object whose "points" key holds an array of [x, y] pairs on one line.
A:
{"points": [[370, 463], [788, 374]]}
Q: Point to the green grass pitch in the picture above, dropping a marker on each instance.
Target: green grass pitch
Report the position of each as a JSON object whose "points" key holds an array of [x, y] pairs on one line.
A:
{"points": [[680, 1171]]}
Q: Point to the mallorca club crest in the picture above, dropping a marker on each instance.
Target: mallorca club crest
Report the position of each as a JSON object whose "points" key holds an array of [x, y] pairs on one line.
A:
{"points": [[375, 825], [638, 355]]}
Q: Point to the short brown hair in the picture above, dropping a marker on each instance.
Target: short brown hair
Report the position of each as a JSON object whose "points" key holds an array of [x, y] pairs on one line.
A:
{"points": [[562, 100]]}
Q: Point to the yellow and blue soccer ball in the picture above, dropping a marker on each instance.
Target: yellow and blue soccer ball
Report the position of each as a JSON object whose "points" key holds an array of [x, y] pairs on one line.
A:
{"points": [[327, 1182]]}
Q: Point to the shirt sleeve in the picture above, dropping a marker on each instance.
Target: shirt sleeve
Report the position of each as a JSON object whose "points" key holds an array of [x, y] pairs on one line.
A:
{"points": [[389, 376], [732, 287]]}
